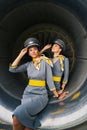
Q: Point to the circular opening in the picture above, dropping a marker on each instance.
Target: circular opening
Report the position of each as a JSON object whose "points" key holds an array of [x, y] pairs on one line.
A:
{"points": [[46, 23]]}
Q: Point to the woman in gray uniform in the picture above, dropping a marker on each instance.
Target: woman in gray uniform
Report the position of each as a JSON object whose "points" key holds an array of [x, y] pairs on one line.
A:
{"points": [[35, 97], [60, 68]]}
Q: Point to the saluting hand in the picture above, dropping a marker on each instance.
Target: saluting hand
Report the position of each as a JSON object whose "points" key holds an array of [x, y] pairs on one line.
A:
{"points": [[19, 57], [23, 52], [48, 46]]}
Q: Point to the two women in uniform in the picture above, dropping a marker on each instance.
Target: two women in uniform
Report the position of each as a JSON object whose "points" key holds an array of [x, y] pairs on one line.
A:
{"points": [[40, 73]]}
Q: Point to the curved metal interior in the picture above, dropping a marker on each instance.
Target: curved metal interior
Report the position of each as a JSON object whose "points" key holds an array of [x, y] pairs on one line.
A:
{"points": [[46, 21]]}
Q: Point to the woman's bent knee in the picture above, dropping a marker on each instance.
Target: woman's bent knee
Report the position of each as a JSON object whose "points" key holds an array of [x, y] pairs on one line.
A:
{"points": [[16, 121]]}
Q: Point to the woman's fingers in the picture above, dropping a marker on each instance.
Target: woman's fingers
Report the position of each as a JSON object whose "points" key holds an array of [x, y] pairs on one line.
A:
{"points": [[63, 95]]}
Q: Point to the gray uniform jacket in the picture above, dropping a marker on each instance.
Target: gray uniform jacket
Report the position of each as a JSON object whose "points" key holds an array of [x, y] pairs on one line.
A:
{"points": [[35, 98], [44, 73]]}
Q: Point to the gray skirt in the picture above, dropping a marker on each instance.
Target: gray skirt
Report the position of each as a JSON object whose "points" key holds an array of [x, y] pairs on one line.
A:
{"points": [[31, 106]]}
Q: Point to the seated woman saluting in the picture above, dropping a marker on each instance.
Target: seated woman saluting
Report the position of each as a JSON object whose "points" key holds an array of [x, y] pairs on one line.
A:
{"points": [[60, 69], [35, 96]]}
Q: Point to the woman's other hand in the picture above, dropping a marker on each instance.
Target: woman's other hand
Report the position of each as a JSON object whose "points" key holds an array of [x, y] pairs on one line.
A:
{"points": [[48, 46]]}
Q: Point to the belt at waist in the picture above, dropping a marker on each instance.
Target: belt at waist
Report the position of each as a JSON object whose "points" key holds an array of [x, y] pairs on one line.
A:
{"points": [[38, 83], [56, 78]]}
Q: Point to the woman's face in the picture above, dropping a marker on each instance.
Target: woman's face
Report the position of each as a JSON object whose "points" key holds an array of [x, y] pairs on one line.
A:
{"points": [[56, 48], [33, 52]]}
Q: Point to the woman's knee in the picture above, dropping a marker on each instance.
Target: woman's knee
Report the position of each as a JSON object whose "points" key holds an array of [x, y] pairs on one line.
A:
{"points": [[15, 121]]}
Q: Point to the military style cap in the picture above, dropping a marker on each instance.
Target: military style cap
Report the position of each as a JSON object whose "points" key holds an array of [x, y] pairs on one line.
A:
{"points": [[60, 43], [31, 42]]}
